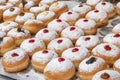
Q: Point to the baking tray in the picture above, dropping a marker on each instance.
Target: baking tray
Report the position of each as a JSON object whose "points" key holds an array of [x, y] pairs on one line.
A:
{"points": [[31, 74]]}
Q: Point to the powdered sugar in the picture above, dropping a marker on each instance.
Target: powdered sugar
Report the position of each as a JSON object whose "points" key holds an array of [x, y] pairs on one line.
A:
{"points": [[74, 34], [94, 40], [55, 66], [114, 75], [6, 6], [97, 16], [47, 1], [6, 26], [29, 47], [5, 40], [111, 39], [93, 2], [2, 1], [69, 17], [29, 4], [108, 7], [2, 34], [33, 22], [25, 17], [117, 63], [82, 10], [57, 26], [118, 5], [84, 67], [85, 25], [78, 55], [99, 49], [11, 13], [13, 1], [15, 33], [46, 36], [44, 58], [45, 15], [116, 29], [8, 58]]}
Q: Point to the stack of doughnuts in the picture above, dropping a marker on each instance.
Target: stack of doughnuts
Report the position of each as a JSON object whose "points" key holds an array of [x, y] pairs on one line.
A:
{"points": [[60, 42]]}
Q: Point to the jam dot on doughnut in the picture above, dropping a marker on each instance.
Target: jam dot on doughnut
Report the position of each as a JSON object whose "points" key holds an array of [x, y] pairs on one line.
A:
{"points": [[59, 41], [14, 55], [31, 41], [87, 38], [12, 9], [61, 59], [69, 12], [80, 5], [117, 35], [72, 28], [96, 11], [105, 76], [103, 3], [44, 51], [59, 20], [85, 20], [22, 14], [1, 39], [91, 60], [75, 50], [107, 47], [45, 31]]}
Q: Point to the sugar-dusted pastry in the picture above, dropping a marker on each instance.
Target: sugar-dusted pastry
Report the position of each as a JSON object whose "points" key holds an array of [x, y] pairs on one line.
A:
{"points": [[87, 25], [32, 45], [118, 8], [2, 34], [15, 2], [41, 58], [72, 32], [46, 16], [15, 60], [59, 69], [33, 25], [19, 35], [59, 45], [109, 52], [58, 25], [48, 2], [47, 35], [11, 13], [100, 16], [76, 54], [3, 1], [116, 65], [90, 66], [116, 29]]}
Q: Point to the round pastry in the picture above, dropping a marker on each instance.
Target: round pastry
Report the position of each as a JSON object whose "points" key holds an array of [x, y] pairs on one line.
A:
{"points": [[42, 58], [32, 45], [106, 75], [11, 13], [87, 25], [38, 9], [6, 44], [59, 45], [58, 8], [116, 65], [8, 25], [46, 35], [90, 40], [70, 16], [33, 25], [3, 1], [35, 1], [76, 54], [46, 16], [113, 38], [2, 34], [28, 5], [89, 66], [116, 29], [82, 9], [100, 16], [118, 8], [72, 32], [15, 60], [92, 3], [15, 2], [48, 2], [23, 17], [108, 7], [59, 69], [108, 52], [19, 35], [58, 25]]}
